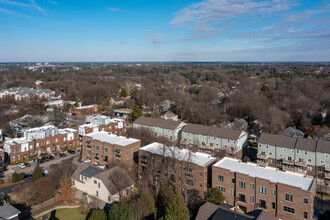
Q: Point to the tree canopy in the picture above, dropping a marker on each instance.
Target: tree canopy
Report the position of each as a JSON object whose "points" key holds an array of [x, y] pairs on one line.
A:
{"points": [[177, 209], [37, 173], [214, 195], [120, 211], [97, 214]]}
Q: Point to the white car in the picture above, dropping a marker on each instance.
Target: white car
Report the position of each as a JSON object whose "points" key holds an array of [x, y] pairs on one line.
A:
{"points": [[21, 165], [44, 171], [88, 160]]}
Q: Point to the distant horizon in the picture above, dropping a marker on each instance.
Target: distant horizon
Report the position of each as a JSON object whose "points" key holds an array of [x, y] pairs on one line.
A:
{"points": [[165, 31], [137, 62]]}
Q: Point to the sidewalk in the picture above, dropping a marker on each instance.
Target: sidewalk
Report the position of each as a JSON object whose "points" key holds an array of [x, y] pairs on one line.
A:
{"points": [[57, 207]]}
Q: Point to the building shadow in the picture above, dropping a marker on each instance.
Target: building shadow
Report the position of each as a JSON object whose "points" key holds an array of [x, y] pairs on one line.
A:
{"points": [[53, 215]]}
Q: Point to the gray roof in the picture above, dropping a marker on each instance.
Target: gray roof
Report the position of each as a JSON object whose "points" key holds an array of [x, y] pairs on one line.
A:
{"points": [[306, 144], [91, 171], [277, 140], [261, 214], [323, 146], [80, 168], [8, 211], [206, 211], [157, 122], [196, 129], [26, 91], [291, 132], [212, 131], [222, 213], [118, 99]]}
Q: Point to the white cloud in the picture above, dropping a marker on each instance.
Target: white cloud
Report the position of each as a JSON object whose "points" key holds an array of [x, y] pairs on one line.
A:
{"points": [[115, 9], [53, 2], [156, 38]]}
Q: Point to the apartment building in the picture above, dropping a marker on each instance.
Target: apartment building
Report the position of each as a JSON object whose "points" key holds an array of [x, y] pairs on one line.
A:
{"points": [[301, 155], [161, 127], [24, 93], [187, 170], [215, 138], [105, 148], [86, 110], [248, 186], [103, 123], [47, 139]]}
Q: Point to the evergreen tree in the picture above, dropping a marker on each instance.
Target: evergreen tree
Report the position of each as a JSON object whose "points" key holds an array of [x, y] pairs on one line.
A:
{"points": [[177, 209], [97, 214], [123, 92], [37, 173], [137, 112], [120, 211], [215, 196]]}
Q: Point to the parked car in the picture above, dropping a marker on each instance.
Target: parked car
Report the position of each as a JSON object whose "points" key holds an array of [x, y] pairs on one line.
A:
{"points": [[51, 157], [41, 160], [46, 158], [28, 176], [21, 165], [44, 171], [62, 155], [71, 151], [27, 164], [88, 160]]}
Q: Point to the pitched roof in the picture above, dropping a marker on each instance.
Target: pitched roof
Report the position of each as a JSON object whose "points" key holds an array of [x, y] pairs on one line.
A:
{"points": [[306, 144], [115, 171], [206, 211], [225, 133], [291, 132], [222, 213], [91, 171], [261, 214], [8, 211], [323, 146], [196, 129], [158, 122], [80, 168], [277, 140]]}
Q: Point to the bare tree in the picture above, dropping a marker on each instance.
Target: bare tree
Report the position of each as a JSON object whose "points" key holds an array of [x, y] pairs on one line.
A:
{"points": [[119, 180]]}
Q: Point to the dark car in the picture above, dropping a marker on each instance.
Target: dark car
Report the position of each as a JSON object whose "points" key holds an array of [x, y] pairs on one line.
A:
{"points": [[46, 158], [41, 160], [62, 155], [27, 164], [28, 176], [51, 157], [71, 151]]}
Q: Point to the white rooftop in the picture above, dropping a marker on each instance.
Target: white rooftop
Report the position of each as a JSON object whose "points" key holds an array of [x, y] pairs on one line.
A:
{"points": [[88, 126], [40, 128], [201, 159], [15, 141], [66, 130], [112, 139], [87, 106], [268, 173]]}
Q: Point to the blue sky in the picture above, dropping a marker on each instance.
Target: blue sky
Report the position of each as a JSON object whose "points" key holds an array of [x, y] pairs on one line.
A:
{"points": [[164, 30]]}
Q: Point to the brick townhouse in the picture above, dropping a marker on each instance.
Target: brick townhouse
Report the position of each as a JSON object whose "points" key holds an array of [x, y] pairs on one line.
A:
{"points": [[187, 170], [47, 139], [301, 155], [103, 123], [87, 110], [212, 139], [248, 186], [105, 148]]}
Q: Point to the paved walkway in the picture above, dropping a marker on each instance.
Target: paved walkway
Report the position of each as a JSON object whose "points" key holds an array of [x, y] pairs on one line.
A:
{"points": [[57, 207]]}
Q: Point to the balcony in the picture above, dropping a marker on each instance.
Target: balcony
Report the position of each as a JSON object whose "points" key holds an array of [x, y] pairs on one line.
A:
{"points": [[301, 171], [301, 164], [205, 147], [241, 199], [288, 168], [290, 162], [327, 168], [96, 158], [327, 176], [261, 205], [261, 156], [262, 163]]}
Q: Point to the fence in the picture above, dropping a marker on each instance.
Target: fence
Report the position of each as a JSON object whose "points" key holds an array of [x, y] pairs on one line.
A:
{"points": [[323, 189], [44, 204]]}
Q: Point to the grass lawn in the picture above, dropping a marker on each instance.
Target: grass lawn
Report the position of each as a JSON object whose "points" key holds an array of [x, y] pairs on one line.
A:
{"points": [[67, 214]]}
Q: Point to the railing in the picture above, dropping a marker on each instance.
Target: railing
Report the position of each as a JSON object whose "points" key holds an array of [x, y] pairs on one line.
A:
{"points": [[262, 163], [288, 168], [327, 168], [327, 175], [241, 199], [260, 205], [301, 171], [290, 162], [96, 158], [302, 164], [261, 156]]}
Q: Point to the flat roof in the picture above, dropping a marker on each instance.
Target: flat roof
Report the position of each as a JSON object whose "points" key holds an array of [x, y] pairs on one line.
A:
{"points": [[41, 128], [198, 158], [15, 141], [86, 106], [112, 139], [268, 173]]}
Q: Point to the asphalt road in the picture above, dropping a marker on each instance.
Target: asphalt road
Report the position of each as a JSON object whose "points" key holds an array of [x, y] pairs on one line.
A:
{"points": [[9, 189]]}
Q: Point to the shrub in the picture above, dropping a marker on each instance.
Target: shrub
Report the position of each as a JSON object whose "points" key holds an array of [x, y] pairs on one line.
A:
{"points": [[16, 177], [2, 182]]}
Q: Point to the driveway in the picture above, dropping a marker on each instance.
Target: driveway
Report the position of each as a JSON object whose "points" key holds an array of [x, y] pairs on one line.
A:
{"points": [[15, 168], [9, 189]]}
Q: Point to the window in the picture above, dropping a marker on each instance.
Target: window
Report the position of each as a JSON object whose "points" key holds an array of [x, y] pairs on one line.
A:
{"points": [[97, 193], [298, 151], [284, 149], [305, 200], [305, 215], [270, 153], [222, 189], [241, 197], [310, 168], [99, 185], [309, 160], [271, 161], [321, 169], [289, 158], [200, 184], [252, 186], [273, 205], [305, 151], [233, 192], [190, 182], [273, 191], [47, 142], [97, 147], [262, 190], [106, 150], [109, 198], [95, 182], [251, 199], [301, 160], [288, 209], [242, 184], [200, 173], [233, 180], [127, 153], [56, 140], [220, 178], [288, 197]]}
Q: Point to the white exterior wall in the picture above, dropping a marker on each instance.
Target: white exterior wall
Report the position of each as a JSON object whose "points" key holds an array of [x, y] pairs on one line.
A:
{"points": [[322, 157], [306, 156], [6, 148]]}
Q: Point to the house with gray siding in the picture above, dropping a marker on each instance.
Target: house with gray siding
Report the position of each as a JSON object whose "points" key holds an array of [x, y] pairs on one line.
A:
{"points": [[160, 127], [296, 154], [215, 138]]}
